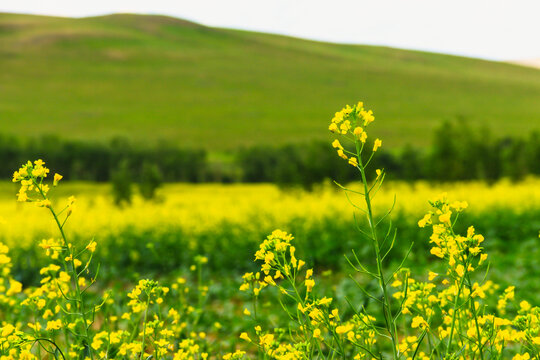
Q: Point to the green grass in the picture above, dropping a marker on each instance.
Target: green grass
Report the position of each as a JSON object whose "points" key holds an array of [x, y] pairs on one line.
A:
{"points": [[153, 78]]}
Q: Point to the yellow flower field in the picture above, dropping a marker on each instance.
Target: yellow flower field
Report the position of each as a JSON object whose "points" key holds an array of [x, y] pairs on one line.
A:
{"points": [[446, 309], [197, 208]]}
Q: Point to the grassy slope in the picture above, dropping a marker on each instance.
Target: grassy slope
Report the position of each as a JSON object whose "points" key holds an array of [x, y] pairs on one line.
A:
{"points": [[151, 78]]}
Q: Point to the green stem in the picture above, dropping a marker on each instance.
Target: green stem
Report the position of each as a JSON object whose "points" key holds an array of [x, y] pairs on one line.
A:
{"points": [[473, 310], [255, 307], [52, 343], [454, 318], [80, 299], [144, 326], [387, 311]]}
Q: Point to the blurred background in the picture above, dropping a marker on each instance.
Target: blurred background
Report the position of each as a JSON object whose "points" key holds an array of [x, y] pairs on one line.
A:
{"points": [[164, 116], [212, 92]]}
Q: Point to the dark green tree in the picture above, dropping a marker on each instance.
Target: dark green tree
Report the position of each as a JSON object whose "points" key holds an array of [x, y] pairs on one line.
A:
{"points": [[122, 184], [151, 180]]}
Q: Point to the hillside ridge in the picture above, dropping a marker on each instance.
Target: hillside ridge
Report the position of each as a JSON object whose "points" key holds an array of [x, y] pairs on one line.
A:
{"points": [[152, 78]]}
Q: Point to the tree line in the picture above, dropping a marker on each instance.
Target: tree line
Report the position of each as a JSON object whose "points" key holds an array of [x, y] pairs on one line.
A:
{"points": [[457, 152]]}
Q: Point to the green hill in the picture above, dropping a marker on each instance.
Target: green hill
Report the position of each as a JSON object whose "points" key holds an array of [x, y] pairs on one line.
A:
{"points": [[153, 78]]}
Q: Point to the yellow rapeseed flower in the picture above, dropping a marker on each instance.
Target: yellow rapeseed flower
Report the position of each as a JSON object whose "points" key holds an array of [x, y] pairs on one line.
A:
{"points": [[377, 144], [418, 321]]}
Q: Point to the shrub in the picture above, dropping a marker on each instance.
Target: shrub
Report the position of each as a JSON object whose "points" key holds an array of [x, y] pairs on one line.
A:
{"points": [[151, 180]]}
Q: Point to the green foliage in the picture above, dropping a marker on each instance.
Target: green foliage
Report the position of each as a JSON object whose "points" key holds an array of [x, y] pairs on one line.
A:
{"points": [[151, 180], [410, 163], [79, 160], [458, 152], [122, 184], [469, 154]]}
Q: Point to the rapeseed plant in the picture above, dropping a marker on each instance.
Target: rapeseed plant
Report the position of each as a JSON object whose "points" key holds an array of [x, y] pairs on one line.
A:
{"points": [[445, 317], [56, 319]]}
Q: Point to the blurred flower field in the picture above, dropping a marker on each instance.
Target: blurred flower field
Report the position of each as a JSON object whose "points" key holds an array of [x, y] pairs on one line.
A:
{"points": [[202, 208], [226, 222]]}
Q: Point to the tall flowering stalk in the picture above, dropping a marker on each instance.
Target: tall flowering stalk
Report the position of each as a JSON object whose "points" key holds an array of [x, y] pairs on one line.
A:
{"points": [[33, 189], [443, 317], [59, 317], [350, 124]]}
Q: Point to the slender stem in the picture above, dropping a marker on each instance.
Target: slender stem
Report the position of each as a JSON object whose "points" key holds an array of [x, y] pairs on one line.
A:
{"points": [[144, 326], [473, 310], [255, 306], [454, 318], [80, 299], [387, 311], [52, 343], [468, 282]]}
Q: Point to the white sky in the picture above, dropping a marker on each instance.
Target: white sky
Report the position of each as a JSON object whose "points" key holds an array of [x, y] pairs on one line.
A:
{"points": [[493, 29]]}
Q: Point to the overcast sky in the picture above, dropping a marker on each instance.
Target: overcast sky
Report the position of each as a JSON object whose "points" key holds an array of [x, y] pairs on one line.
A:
{"points": [[492, 29]]}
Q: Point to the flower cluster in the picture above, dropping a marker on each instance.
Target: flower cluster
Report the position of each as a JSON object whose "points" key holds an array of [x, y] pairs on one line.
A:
{"points": [[60, 316], [444, 315], [350, 122], [452, 308], [463, 253], [142, 323], [31, 176], [320, 329]]}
